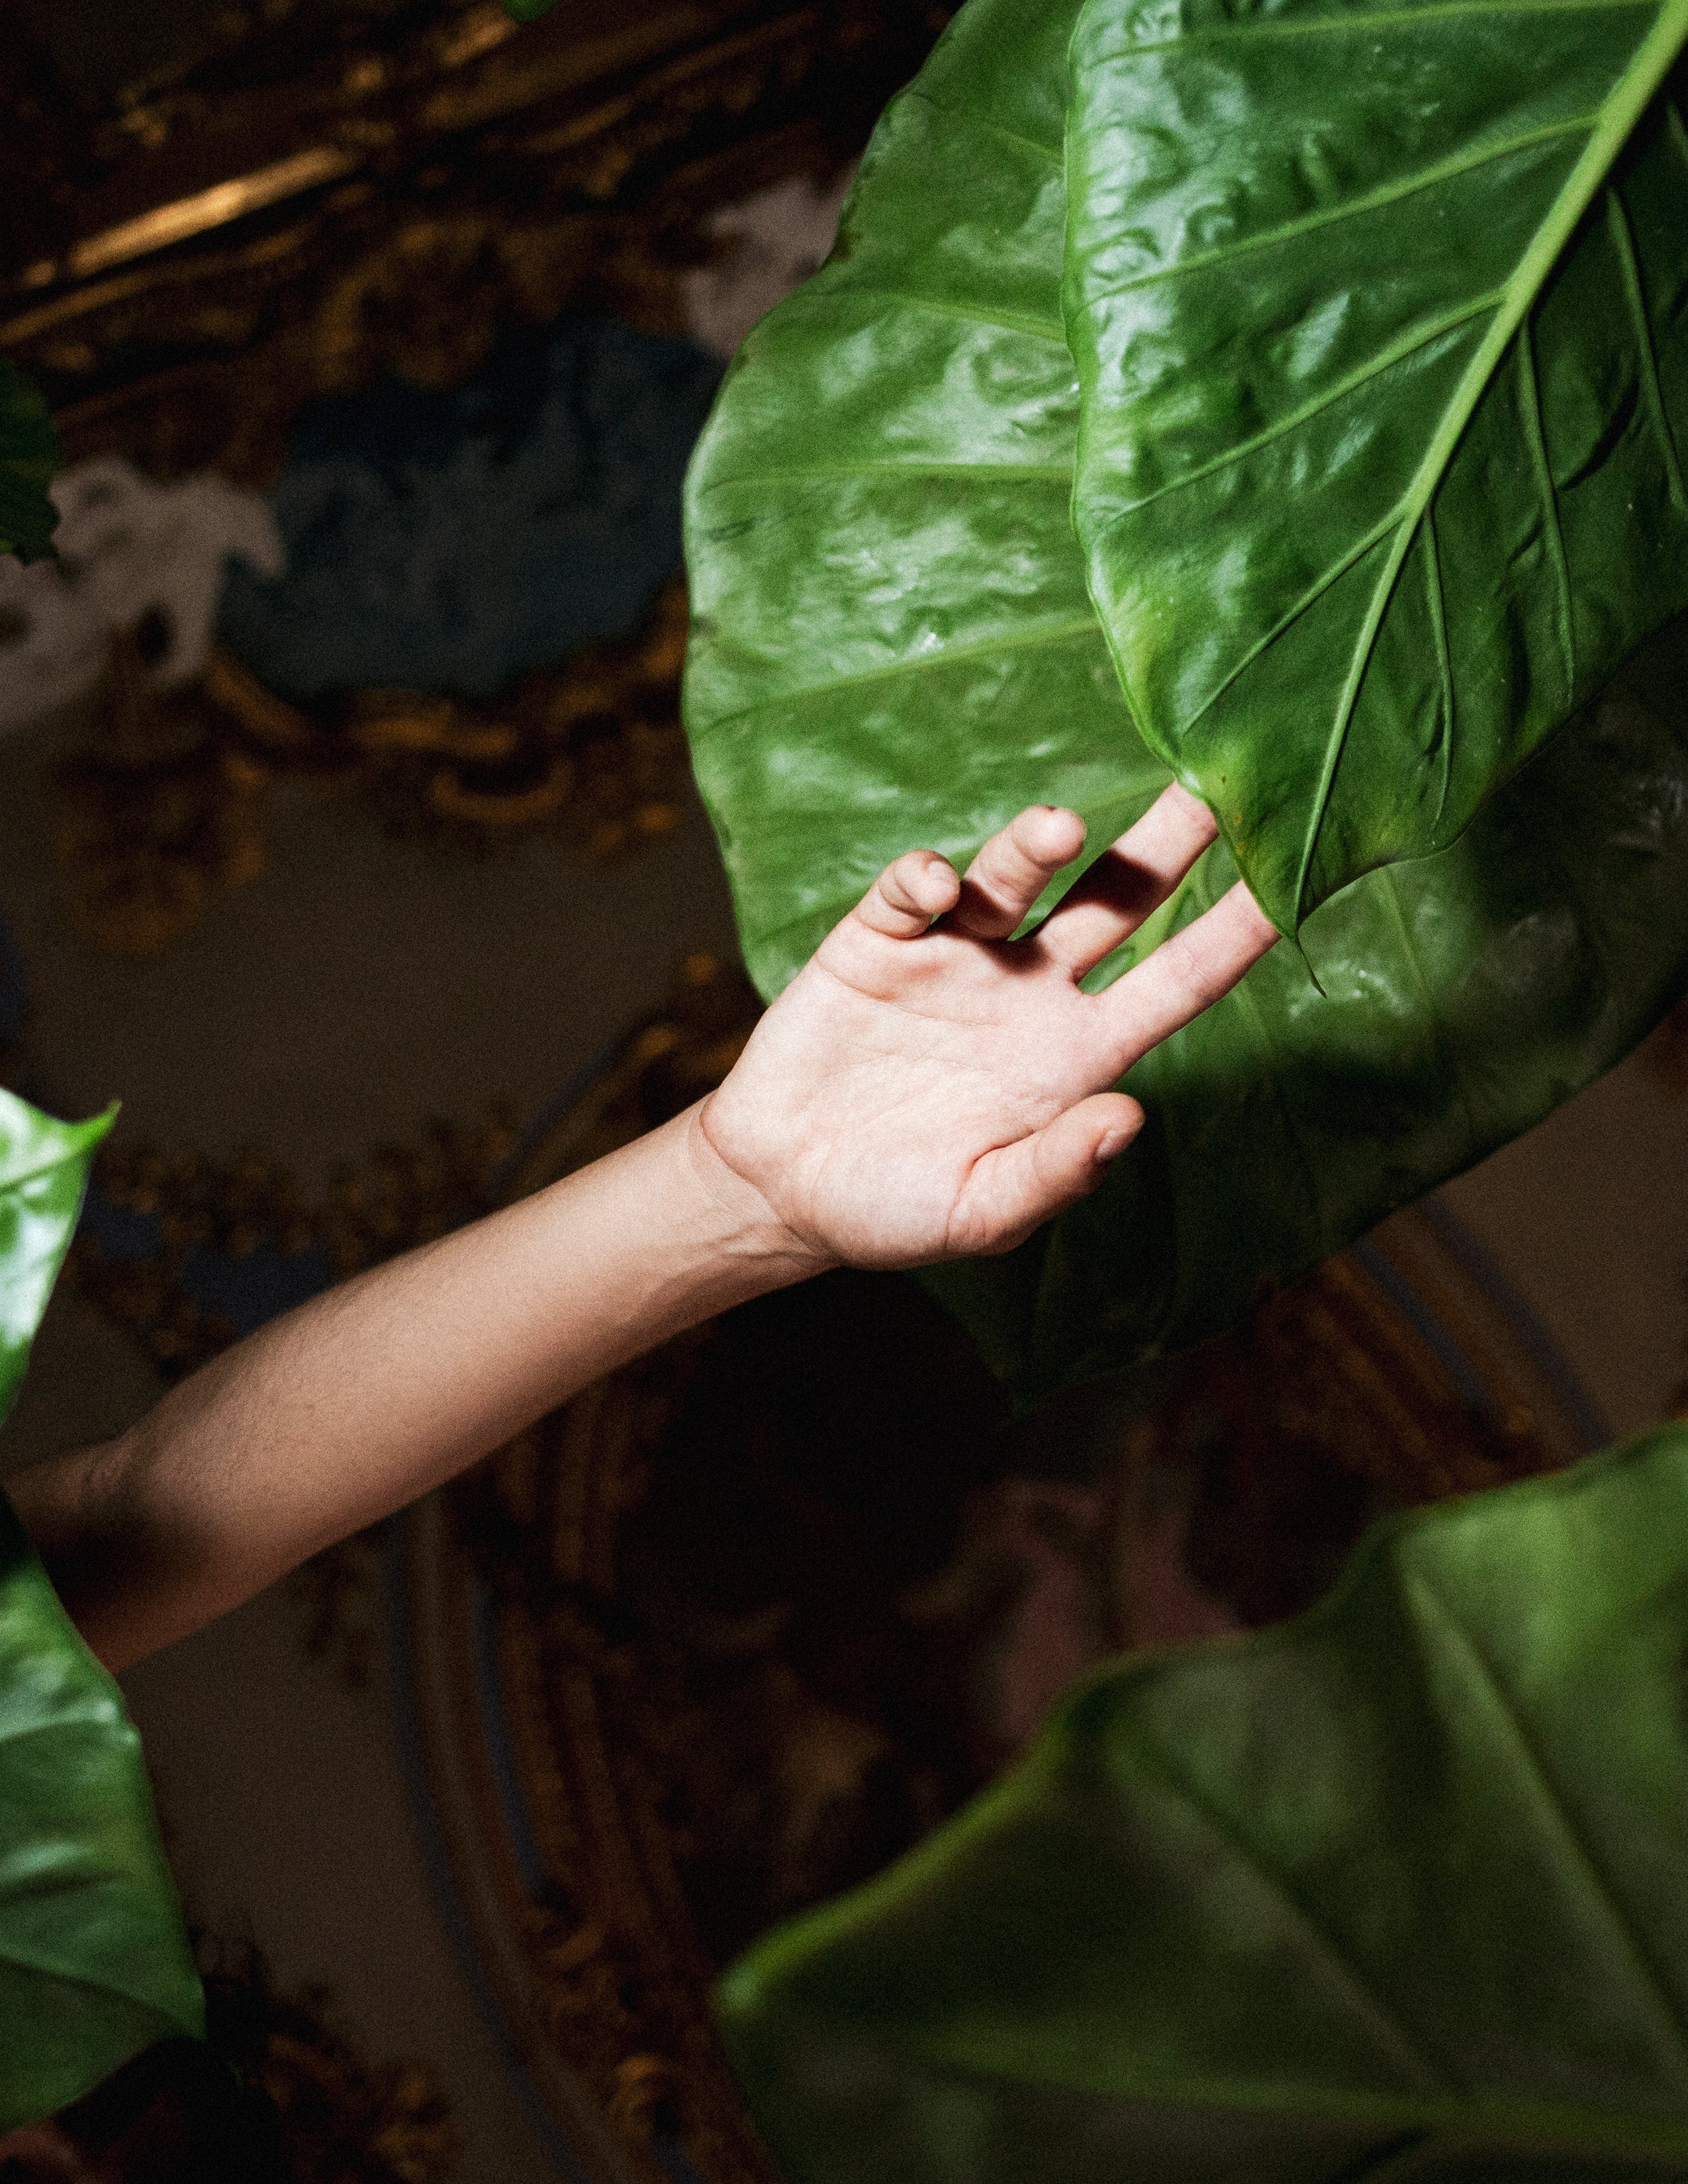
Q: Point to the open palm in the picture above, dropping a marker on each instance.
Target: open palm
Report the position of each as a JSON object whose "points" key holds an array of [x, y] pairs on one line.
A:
{"points": [[927, 1087]]}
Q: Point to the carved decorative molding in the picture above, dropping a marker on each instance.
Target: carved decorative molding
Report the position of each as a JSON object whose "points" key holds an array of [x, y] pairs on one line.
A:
{"points": [[164, 809]]}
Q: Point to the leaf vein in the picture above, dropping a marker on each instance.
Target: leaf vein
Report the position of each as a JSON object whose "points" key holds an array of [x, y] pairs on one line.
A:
{"points": [[1050, 153], [1646, 354], [1397, 352], [1017, 471], [1278, 1079], [1529, 398], [22, 1178], [1446, 1051], [1289, 231], [1021, 640], [1019, 322], [1407, 2054], [1383, 592], [1438, 632], [1596, 1889], [1310, 598], [79, 1718]]}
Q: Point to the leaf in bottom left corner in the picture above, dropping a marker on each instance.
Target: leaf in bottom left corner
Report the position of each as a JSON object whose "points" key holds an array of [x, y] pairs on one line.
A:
{"points": [[94, 1957]]}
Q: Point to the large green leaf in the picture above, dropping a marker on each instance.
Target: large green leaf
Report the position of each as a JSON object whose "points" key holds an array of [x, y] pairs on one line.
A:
{"points": [[1381, 315], [29, 456], [892, 645], [1465, 996], [94, 1962], [891, 635], [43, 1172], [1394, 1892]]}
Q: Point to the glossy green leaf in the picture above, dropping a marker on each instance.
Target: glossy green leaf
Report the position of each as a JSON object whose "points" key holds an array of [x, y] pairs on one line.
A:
{"points": [[43, 1172], [30, 454], [94, 1962], [1466, 995], [1381, 315], [1394, 1893], [892, 645], [891, 635]]}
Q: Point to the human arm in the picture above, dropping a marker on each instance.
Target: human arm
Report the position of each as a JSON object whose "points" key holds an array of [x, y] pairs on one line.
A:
{"points": [[918, 1093]]}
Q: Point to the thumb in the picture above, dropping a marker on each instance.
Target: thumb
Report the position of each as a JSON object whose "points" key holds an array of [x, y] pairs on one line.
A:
{"points": [[1017, 1188]]}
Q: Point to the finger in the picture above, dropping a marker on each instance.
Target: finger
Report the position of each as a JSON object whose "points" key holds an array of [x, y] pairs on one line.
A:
{"points": [[1012, 869], [1016, 1188], [1128, 881], [907, 895], [1186, 973]]}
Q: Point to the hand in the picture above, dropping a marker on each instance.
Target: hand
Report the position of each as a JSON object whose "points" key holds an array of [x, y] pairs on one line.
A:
{"points": [[928, 1088]]}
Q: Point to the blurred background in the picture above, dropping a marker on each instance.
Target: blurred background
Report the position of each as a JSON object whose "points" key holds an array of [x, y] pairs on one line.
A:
{"points": [[347, 837]]}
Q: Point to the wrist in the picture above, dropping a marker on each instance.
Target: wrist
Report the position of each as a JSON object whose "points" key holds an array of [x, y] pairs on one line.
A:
{"points": [[751, 1233]]}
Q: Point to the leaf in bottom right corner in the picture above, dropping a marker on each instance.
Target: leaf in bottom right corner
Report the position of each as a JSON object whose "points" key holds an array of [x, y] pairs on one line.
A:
{"points": [[1396, 1892]]}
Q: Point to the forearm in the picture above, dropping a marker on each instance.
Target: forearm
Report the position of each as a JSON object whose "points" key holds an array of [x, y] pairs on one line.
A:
{"points": [[366, 1397], [925, 1088]]}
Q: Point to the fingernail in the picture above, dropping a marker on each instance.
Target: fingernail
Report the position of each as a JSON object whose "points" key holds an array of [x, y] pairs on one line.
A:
{"points": [[1115, 1142]]}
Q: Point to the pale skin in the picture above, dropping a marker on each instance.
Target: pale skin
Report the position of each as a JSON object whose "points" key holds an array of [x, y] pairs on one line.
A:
{"points": [[926, 1089]]}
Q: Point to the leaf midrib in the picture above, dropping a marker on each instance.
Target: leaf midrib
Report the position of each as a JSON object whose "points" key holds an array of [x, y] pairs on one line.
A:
{"points": [[1582, 1869], [1619, 114]]}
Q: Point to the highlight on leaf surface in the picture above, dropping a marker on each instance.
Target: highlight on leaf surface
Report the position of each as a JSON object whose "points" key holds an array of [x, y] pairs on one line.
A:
{"points": [[30, 454], [1393, 1891], [1380, 312], [94, 1962], [894, 645]]}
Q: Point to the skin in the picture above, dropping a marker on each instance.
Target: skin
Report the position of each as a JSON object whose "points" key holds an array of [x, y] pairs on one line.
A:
{"points": [[926, 1089]]}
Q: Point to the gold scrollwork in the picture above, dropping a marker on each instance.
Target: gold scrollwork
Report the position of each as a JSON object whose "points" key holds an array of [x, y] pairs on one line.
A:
{"points": [[163, 810], [303, 206], [340, 2115]]}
